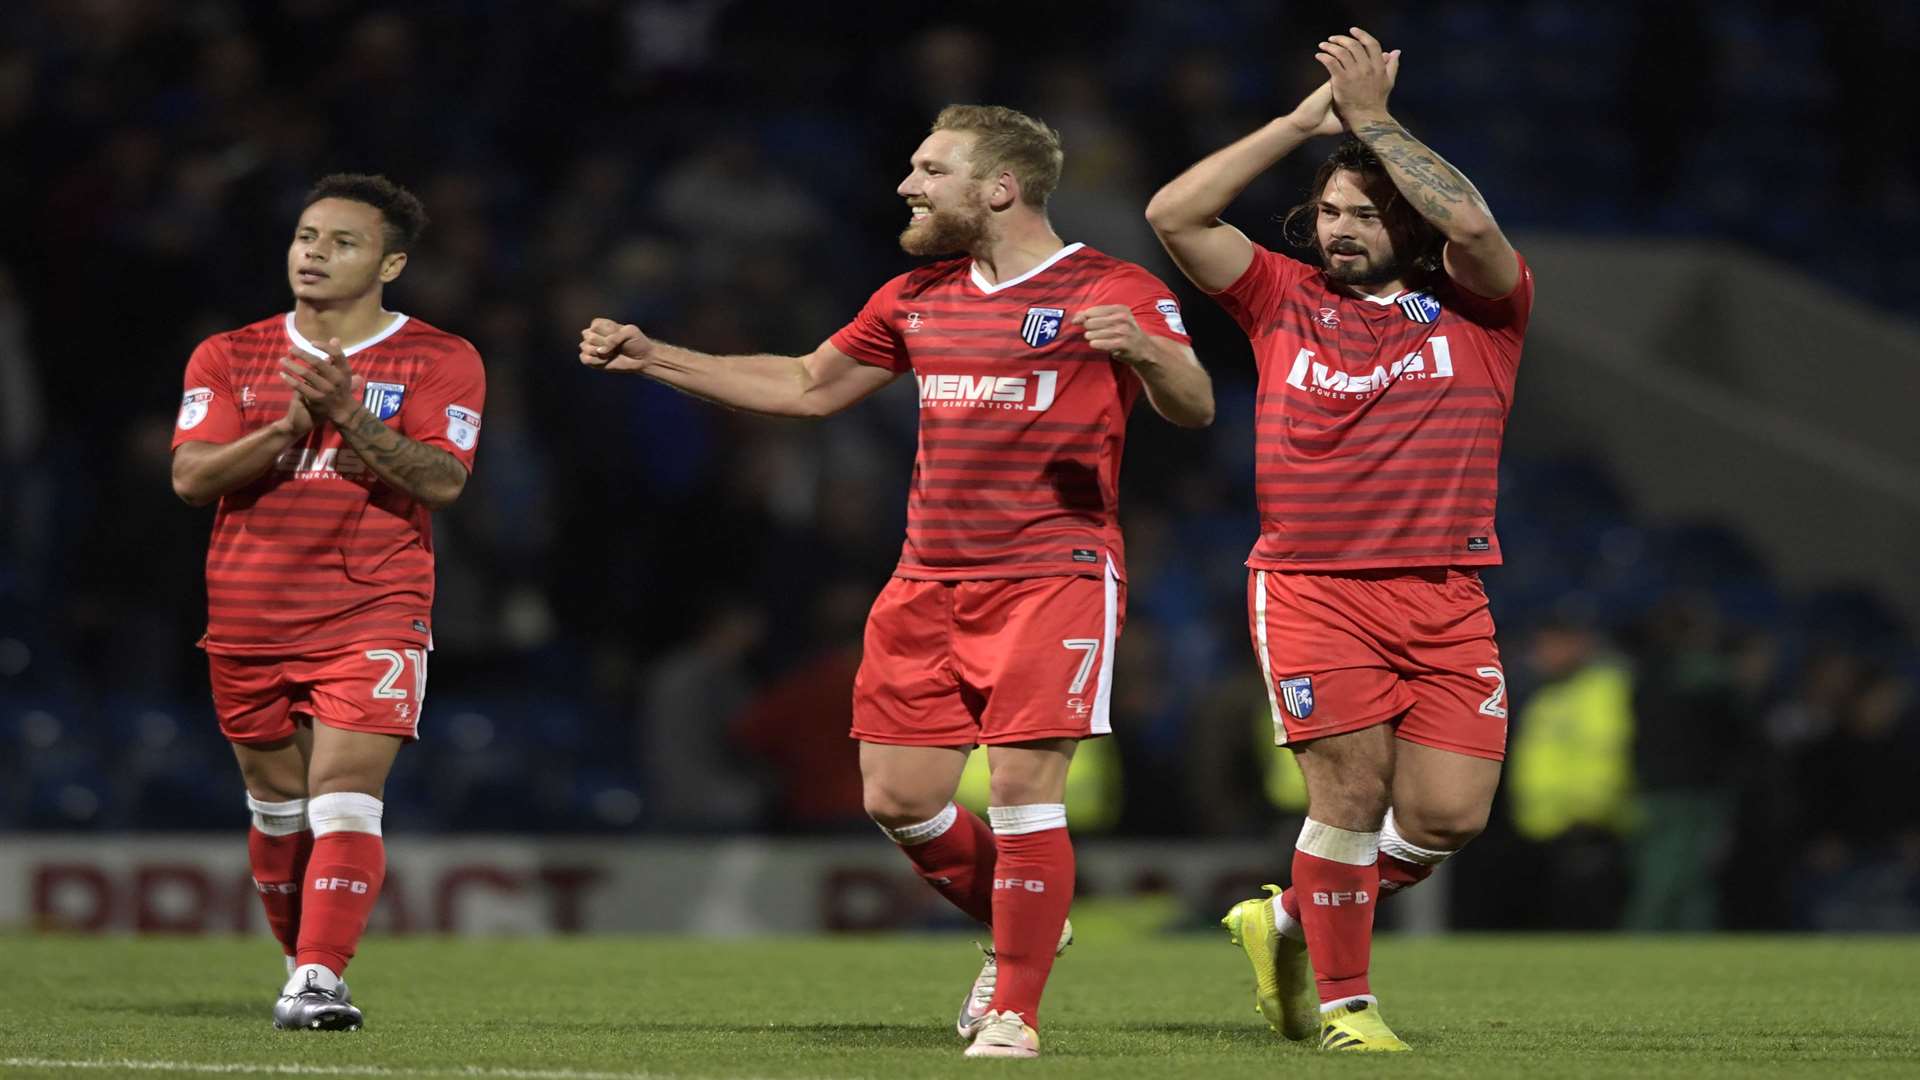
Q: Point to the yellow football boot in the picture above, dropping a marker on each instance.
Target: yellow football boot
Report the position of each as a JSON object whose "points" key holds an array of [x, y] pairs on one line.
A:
{"points": [[1357, 1025], [1283, 989]]}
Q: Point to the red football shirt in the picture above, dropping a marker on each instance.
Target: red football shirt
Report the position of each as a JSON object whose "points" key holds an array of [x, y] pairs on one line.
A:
{"points": [[1379, 421], [1021, 421], [319, 552]]}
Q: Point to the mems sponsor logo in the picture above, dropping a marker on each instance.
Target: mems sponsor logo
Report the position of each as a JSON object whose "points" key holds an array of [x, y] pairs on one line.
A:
{"points": [[1314, 377], [309, 464], [1017, 392]]}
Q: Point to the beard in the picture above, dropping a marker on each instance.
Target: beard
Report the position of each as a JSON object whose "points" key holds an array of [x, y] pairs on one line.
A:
{"points": [[947, 232], [1365, 274]]}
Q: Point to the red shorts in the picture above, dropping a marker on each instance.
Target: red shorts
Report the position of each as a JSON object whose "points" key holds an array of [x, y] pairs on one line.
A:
{"points": [[364, 687], [1345, 651], [955, 663]]}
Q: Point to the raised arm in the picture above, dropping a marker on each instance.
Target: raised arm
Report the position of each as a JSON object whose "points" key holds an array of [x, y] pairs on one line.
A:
{"points": [[1477, 255], [1185, 214], [818, 384]]}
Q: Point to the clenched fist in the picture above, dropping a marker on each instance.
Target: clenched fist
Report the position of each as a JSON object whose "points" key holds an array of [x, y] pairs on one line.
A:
{"points": [[1112, 329], [615, 346]]}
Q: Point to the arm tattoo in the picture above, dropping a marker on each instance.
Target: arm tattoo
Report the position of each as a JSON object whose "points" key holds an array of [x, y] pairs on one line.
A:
{"points": [[1436, 187], [415, 468]]}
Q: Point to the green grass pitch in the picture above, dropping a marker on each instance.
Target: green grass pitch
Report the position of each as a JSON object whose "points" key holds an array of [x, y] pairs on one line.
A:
{"points": [[616, 1008]]}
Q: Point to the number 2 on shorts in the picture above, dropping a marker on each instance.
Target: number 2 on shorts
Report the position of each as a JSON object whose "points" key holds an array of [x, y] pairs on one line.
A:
{"points": [[1496, 703]]}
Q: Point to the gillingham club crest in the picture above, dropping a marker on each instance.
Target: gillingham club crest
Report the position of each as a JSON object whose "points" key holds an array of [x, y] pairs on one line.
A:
{"points": [[383, 398], [1420, 307], [1296, 696], [1041, 325]]}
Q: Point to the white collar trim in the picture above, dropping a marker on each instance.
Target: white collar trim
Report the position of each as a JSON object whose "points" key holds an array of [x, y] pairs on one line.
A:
{"points": [[1383, 301], [300, 341], [981, 283]]}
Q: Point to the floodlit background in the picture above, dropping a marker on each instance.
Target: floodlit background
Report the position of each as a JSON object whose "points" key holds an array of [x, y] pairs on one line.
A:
{"points": [[649, 608]]}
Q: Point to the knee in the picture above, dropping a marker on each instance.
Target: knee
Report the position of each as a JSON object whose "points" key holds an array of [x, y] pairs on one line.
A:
{"points": [[1360, 808], [1011, 787], [895, 805], [325, 779], [1448, 829], [272, 782], [1355, 800]]}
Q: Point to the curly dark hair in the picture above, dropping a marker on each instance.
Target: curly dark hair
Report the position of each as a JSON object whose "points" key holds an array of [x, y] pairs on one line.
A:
{"points": [[1416, 242], [402, 216]]}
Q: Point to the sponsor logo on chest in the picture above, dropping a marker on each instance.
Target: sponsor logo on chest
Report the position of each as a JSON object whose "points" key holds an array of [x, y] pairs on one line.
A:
{"points": [[325, 464], [1027, 393], [1434, 360]]}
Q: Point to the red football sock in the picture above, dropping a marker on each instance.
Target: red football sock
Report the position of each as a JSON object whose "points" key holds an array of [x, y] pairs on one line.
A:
{"points": [[278, 844], [1402, 865], [343, 878], [957, 859], [1335, 871], [1032, 891], [1397, 874]]}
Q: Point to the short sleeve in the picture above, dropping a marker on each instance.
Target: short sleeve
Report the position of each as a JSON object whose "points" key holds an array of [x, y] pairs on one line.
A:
{"points": [[445, 408], [1153, 305], [208, 412], [1253, 296], [1503, 314], [870, 338]]}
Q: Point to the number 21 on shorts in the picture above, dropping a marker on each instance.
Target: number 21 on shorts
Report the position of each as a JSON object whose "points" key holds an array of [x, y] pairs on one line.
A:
{"points": [[397, 660]]}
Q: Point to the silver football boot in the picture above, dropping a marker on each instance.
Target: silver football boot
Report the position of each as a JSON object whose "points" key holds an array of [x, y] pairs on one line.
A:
{"points": [[317, 1009]]}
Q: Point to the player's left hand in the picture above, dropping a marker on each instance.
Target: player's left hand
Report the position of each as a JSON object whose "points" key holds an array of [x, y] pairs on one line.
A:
{"points": [[1361, 71], [1111, 329], [328, 384]]}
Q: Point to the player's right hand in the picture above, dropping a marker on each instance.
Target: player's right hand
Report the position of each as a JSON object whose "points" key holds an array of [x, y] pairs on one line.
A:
{"points": [[298, 421], [1314, 115], [615, 346]]}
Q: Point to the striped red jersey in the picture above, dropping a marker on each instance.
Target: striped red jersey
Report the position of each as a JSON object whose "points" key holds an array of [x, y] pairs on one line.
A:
{"points": [[1021, 421], [1379, 421], [319, 552]]}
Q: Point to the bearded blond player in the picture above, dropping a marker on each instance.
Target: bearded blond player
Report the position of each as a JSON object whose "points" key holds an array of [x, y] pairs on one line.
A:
{"points": [[999, 624]]}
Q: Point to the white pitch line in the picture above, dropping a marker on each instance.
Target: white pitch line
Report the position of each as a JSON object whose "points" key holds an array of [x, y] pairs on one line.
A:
{"points": [[503, 1073]]}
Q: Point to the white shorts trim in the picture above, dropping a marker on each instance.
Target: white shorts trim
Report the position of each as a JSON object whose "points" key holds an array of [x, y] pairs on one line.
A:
{"points": [[1109, 633], [1280, 734]]}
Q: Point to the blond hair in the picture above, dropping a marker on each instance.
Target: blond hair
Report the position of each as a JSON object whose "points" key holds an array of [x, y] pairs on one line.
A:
{"points": [[1010, 140]]}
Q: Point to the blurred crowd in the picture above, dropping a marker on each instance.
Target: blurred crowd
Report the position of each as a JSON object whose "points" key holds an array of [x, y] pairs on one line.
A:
{"points": [[649, 609]]}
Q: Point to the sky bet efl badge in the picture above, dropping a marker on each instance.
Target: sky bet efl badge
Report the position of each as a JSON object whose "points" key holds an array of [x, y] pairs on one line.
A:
{"points": [[1297, 696], [383, 398], [1042, 325], [1420, 307]]}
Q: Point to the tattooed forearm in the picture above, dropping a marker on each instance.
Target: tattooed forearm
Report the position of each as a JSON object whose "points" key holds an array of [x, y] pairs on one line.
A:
{"points": [[1436, 187], [431, 476]]}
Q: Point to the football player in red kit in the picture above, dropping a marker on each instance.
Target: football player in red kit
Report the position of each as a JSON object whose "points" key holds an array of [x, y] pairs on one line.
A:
{"points": [[328, 435], [998, 626], [1385, 376]]}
